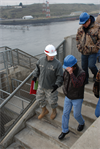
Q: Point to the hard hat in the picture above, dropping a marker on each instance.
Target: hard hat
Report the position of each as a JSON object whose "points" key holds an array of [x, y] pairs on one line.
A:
{"points": [[69, 61], [50, 50], [84, 17]]}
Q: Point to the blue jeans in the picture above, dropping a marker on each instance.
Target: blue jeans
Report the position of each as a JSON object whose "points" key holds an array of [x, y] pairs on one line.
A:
{"points": [[97, 110], [89, 61], [77, 105]]}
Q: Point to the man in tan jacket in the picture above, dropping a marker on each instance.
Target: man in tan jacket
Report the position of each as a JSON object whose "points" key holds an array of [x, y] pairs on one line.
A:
{"points": [[88, 43]]}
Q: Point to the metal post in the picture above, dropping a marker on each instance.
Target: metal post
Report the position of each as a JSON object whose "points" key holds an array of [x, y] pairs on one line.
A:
{"points": [[63, 49], [30, 63], [17, 57]]}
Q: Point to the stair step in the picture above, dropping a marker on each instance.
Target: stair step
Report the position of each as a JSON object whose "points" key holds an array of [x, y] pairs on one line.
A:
{"points": [[90, 100], [16, 146], [31, 140], [89, 87], [73, 124], [51, 132], [87, 112]]}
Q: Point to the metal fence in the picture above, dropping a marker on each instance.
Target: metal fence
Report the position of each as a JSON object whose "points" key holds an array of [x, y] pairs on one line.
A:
{"points": [[11, 58], [14, 106]]}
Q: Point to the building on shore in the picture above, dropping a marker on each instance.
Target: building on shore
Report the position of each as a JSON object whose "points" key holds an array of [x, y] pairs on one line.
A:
{"points": [[27, 17]]}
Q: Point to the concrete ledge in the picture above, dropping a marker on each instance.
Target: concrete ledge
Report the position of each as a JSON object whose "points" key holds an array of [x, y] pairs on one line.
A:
{"points": [[90, 139]]}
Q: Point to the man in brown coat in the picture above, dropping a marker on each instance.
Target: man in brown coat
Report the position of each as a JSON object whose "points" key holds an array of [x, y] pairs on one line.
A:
{"points": [[88, 43]]}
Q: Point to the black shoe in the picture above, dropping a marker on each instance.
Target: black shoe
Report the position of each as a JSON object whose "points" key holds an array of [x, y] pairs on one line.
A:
{"points": [[80, 127], [62, 135]]}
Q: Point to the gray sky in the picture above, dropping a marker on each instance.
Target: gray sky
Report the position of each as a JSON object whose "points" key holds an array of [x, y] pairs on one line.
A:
{"points": [[26, 2]]}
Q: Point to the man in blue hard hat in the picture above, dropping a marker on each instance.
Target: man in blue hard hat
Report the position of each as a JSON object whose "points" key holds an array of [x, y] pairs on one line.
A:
{"points": [[88, 43], [73, 88]]}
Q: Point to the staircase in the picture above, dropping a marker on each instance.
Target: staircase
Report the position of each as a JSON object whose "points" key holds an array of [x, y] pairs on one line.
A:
{"points": [[43, 134]]}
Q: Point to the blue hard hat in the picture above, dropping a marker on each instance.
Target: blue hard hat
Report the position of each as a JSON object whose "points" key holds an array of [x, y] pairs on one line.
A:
{"points": [[69, 61], [84, 17]]}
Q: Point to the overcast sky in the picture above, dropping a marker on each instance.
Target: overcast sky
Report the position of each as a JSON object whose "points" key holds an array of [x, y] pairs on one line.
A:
{"points": [[26, 2]]}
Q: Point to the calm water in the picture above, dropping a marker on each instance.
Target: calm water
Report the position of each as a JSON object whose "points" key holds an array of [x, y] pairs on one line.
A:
{"points": [[33, 39]]}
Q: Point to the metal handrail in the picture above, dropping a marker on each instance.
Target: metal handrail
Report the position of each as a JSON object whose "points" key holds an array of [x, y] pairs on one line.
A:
{"points": [[15, 91], [25, 53]]}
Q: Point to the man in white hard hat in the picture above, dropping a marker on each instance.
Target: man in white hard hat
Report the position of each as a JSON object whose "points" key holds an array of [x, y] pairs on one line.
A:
{"points": [[49, 72]]}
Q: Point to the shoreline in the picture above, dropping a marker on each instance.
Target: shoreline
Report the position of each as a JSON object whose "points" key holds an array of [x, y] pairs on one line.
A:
{"points": [[37, 21]]}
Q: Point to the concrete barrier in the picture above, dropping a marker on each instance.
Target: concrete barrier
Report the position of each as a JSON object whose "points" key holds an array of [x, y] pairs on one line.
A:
{"points": [[90, 139]]}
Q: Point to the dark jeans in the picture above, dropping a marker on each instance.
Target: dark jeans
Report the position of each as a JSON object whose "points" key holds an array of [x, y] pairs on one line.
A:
{"points": [[89, 61]]}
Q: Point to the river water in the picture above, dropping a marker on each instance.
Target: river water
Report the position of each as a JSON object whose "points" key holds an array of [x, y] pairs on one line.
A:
{"points": [[33, 38]]}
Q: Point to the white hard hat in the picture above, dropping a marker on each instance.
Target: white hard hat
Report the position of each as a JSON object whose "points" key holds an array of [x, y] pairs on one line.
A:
{"points": [[50, 50]]}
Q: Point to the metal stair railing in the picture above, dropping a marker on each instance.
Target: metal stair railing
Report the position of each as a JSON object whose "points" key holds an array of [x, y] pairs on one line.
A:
{"points": [[11, 58], [61, 51], [13, 108], [4, 83], [16, 56]]}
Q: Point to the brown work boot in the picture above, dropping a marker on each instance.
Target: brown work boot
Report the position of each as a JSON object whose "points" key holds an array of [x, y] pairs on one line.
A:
{"points": [[43, 113], [53, 114]]}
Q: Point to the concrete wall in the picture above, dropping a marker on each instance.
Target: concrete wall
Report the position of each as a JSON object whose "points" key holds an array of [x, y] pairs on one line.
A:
{"points": [[90, 139], [70, 46]]}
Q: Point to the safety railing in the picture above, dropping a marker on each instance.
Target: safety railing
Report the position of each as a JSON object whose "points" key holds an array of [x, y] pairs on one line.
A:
{"points": [[12, 106], [24, 91], [61, 51], [13, 57]]}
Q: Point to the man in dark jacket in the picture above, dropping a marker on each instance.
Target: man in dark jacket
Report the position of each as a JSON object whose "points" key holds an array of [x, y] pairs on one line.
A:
{"points": [[88, 43], [73, 88]]}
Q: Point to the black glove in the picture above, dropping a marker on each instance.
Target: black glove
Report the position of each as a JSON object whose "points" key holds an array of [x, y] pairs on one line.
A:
{"points": [[34, 79], [54, 88]]}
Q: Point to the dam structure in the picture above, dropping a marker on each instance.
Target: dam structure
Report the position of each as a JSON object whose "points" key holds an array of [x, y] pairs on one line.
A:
{"points": [[19, 125]]}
